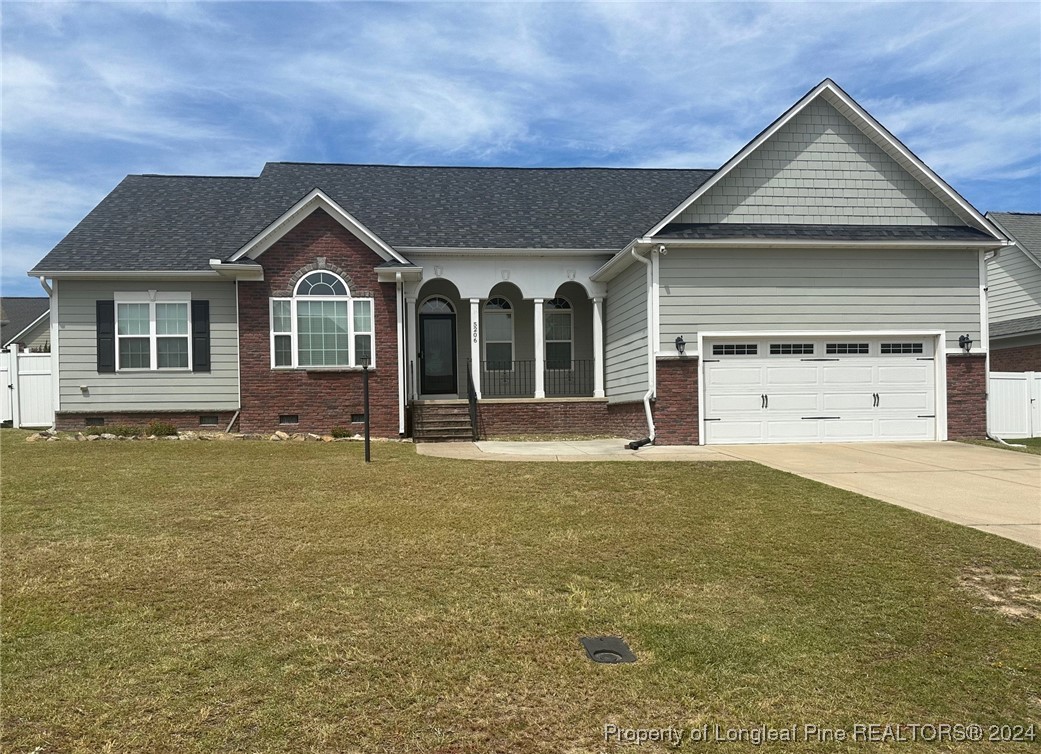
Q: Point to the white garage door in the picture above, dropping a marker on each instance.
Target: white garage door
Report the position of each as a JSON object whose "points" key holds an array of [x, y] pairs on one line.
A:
{"points": [[813, 389]]}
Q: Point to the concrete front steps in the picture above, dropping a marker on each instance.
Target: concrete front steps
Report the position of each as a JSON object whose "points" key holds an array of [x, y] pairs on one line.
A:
{"points": [[441, 421]]}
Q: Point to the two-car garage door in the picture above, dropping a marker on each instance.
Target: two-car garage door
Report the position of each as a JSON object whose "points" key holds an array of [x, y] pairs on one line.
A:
{"points": [[819, 389]]}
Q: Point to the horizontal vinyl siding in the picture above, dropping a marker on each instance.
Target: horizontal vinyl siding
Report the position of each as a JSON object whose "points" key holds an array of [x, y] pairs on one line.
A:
{"points": [[625, 342], [769, 289], [143, 391], [1014, 286], [820, 168]]}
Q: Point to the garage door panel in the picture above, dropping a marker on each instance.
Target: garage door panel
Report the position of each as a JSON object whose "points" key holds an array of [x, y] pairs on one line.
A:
{"points": [[785, 375], [799, 402], [731, 402], [921, 401], [793, 430], [859, 401], [907, 429], [796, 390], [906, 374], [733, 376], [840, 374]]}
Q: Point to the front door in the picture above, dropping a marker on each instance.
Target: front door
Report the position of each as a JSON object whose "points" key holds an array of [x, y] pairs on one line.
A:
{"points": [[437, 362]]}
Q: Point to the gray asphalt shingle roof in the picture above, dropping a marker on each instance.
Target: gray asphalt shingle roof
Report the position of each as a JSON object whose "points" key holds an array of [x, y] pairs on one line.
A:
{"points": [[1025, 229], [19, 312], [1021, 326], [697, 231], [181, 222]]}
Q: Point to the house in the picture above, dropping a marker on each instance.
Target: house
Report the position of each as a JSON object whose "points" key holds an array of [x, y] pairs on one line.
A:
{"points": [[822, 285], [25, 320], [1014, 294]]}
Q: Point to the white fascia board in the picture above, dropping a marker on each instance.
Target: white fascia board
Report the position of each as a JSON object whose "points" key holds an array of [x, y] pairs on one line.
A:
{"points": [[252, 272], [394, 274], [760, 243], [873, 130], [617, 263], [24, 330], [128, 275], [452, 251], [1016, 244], [316, 199]]}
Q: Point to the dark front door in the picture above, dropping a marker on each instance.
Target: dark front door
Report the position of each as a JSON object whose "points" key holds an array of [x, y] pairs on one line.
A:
{"points": [[437, 354]]}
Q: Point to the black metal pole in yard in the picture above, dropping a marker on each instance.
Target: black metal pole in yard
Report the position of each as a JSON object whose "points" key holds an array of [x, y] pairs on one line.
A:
{"points": [[365, 401]]}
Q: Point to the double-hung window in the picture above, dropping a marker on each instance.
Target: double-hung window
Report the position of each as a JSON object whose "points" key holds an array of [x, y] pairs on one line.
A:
{"points": [[498, 335], [153, 331], [559, 336], [322, 325]]}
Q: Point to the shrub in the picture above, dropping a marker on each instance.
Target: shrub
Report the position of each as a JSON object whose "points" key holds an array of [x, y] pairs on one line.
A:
{"points": [[160, 428], [117, 430], [341, 432]]}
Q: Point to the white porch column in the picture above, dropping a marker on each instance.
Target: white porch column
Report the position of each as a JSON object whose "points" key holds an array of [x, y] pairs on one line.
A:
{"points": [[413, 347], [598, 346], [475, 343], [540, 350]]}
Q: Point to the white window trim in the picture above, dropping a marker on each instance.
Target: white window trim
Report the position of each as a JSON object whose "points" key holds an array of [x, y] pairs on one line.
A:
{"points": [[152, 298], [485, 311], [571, 341], [293, 333]]}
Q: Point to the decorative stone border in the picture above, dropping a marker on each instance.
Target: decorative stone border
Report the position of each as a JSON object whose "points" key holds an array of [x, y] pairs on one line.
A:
{"points": [[51, 435]]}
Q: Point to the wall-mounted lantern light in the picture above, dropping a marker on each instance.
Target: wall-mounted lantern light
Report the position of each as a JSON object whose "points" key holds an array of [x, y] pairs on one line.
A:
{"points": [[680, 344], [965, 342]]}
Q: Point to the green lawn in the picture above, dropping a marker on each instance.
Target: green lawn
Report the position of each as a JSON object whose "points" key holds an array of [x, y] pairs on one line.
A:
{"points": [[1030, 445], [284, 597]]}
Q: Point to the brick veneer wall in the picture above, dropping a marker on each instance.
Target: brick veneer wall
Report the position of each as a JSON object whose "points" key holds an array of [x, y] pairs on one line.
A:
{"points": [[183, 420], [561, 417], [676, 405], [1018, 359], [966, 397], [322, 399]]}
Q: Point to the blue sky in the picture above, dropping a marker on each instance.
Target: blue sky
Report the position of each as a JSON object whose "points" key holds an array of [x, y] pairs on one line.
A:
{"points": [[94, 91]]}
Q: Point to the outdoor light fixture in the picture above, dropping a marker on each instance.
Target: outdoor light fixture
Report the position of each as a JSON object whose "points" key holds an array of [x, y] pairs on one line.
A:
{"points": [[680, 344], [965, 342]]}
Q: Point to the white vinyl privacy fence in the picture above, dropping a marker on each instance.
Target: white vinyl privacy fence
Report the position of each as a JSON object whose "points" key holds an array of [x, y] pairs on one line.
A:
{"points": [[1014, 404], [27, 398]]}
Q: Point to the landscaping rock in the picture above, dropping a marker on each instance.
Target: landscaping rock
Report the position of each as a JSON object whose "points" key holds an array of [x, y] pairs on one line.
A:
{"points": [[327, 438], [34, 437], [80, 437], [313, 437], [107, 436], [93, 437], [298, 437]]}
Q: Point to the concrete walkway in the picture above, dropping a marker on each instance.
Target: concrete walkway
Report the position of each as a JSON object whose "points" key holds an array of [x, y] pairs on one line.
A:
{"points": [[989, 489], [563, 450]]}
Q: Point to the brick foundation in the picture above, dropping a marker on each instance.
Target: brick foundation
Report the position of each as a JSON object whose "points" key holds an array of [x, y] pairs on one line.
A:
{"points": [[966, 397], [676, 405], [592, 417], [183, 420], [1018, 359], [321, 399]]}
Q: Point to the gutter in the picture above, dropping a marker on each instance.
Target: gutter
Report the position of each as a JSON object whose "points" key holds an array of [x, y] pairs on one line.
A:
{"points": [[650, 357]]}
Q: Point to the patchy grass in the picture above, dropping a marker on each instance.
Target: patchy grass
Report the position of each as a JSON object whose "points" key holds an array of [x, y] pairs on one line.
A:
{"points": [[1031, 445], [285, 597]]}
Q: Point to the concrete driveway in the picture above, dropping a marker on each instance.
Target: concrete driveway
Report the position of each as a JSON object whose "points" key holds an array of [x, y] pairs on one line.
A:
{"points": [[993, 490]]}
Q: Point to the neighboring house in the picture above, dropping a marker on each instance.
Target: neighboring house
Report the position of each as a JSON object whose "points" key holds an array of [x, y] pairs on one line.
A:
{"points": [[25, 320], [812, 289], [1014, 294]]}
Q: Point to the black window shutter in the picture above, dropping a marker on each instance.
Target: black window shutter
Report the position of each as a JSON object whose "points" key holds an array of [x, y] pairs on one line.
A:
{"points": [[200, 336], [106, 321]]}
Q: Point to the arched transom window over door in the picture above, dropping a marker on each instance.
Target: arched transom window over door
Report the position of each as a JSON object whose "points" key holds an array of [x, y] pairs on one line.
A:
{"points": [[322, 325], [559, 329], [498, 335]]}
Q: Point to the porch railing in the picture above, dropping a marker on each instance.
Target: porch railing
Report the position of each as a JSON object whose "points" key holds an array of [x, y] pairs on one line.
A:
{"points": [[516, 379]]}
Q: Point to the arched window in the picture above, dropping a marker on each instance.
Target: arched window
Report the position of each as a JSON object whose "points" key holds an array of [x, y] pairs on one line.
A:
{"points": [[436, 305], [498, 335], [559, 330], [322, 325]]}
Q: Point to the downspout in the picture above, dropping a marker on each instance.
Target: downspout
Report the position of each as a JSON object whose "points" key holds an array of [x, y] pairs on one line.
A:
{"points": [[400, 315], [637, 444]]}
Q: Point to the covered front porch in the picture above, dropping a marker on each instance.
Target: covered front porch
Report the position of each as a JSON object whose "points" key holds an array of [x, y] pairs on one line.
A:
{"points": [[504, 345]]}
